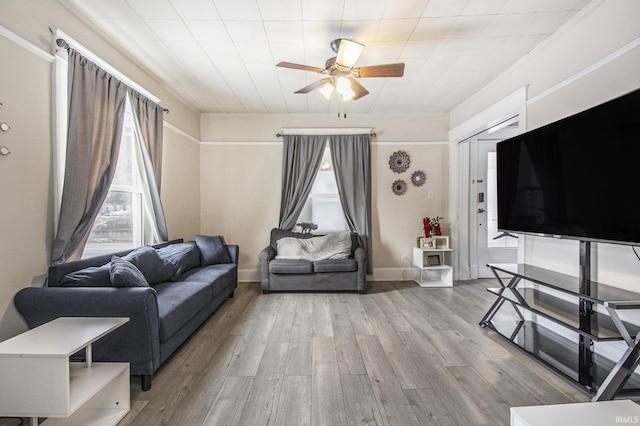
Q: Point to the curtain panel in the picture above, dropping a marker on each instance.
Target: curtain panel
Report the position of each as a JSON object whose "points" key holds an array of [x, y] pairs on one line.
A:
{"points": [[351, 156], [96, 116], [148, 122], [302, 155]]}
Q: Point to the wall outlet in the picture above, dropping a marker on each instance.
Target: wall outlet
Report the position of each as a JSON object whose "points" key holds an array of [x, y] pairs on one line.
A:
{"points": [[405, 259]]}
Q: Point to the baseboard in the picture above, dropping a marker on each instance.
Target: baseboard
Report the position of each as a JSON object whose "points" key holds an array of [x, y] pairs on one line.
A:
{"points": [[379, 274]]}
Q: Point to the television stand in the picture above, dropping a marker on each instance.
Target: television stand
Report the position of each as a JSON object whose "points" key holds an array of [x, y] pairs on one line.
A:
{"points": [[578, 307]]}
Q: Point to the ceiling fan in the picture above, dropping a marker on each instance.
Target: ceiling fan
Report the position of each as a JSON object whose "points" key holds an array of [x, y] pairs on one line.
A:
{"points": [[342, 76]]}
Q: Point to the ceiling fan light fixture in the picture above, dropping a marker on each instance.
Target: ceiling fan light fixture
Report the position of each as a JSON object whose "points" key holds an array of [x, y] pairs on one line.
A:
{"points": [[343, 86], [348, 53], [327, 90]]}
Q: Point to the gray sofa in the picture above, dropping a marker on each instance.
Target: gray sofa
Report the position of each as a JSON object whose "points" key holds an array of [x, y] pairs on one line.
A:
{"points": [[348, 274], [183, 283]]}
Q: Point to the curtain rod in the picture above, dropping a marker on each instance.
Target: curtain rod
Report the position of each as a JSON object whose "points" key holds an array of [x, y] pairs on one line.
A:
{"points": [[61, 41], [279, 135]]}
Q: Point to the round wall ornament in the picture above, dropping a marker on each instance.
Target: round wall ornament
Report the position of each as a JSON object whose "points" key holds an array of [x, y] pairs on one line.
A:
{"points": [[399, 161], [399, 187], [418, 178]]}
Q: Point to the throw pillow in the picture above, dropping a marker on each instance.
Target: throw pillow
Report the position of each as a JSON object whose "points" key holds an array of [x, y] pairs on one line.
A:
{"points": [[183, 256], [94, 276], [124, 274], [153, 267], [212, 250]]}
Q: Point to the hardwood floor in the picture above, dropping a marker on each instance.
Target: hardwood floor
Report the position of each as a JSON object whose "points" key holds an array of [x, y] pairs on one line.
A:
{"points": [[398, 355]]}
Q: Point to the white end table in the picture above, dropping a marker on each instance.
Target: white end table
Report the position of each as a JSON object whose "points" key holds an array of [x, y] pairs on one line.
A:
{"points": [[38, 380]]}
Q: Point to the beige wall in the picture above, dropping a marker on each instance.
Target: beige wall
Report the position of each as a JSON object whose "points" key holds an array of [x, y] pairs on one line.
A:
{"points": [[241, 162], [26, 214], [180, 192], [591, 61], [25, 228]]}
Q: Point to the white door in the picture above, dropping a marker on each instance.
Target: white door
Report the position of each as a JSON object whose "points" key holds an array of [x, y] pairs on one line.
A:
{"points": [[491, 246]]}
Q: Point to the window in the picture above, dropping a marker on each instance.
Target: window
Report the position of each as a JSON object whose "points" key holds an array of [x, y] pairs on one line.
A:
{"points": [[122, 222], [323, 206]]}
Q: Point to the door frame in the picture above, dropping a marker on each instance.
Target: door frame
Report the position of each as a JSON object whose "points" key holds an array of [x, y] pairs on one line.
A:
{"points": [[510, 108]]}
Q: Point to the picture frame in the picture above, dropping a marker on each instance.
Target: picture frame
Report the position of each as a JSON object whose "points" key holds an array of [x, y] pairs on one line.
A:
{"points": [[433, 260], [441, 242], [427, 243]]}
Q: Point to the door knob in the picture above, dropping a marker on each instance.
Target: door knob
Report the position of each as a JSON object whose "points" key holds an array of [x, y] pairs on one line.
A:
{"points": [[481, 210]]}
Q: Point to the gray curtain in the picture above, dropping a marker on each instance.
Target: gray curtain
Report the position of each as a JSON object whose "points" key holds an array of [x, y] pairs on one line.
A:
{"points": [[148, 119], [302, 155], [351, 156], [96, 116]]}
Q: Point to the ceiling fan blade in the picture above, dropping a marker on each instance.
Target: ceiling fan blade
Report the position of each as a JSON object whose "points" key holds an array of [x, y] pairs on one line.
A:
{"points": [[386, 70], [348, 53], [357, 88], [299, 67], [313, 86]]}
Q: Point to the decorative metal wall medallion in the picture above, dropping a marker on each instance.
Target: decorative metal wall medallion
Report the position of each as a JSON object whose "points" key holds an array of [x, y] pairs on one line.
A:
{"points": [[399, 161], [399, 187], [418, 178]]}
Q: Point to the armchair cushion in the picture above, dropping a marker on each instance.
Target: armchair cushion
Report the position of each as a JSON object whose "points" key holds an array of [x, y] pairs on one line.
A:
{"points": [[290, 266], [335, 265]]}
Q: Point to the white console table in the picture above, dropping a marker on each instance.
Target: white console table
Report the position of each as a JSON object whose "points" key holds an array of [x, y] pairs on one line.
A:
{"points": [[433, 274], [38, 379]]}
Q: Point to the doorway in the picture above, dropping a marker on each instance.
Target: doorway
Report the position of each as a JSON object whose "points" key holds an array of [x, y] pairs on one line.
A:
{"points": [[486, 243]]}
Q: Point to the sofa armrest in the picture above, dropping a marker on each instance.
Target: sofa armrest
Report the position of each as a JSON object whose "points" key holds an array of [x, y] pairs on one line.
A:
{"points": [[266, 255], [137, 342], [360, 256], [234, 252]]}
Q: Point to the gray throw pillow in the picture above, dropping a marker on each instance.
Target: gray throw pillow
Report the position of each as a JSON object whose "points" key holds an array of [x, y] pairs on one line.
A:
{"points": [[124, 274], [212, 250], [154, 268], [183, 256], [93, 276]]}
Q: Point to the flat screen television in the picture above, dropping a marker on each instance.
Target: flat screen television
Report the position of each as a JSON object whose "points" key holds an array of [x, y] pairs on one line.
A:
{"points": [[576, 178]]}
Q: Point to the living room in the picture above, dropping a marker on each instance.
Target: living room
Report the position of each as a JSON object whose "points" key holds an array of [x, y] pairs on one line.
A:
{"points": [[221, 171]]}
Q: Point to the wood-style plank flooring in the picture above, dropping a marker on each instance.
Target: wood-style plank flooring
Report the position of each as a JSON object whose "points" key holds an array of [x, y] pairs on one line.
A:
{"points": [[398, 355]]}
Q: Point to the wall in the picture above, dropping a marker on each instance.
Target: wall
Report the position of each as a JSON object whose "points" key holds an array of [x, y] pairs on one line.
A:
{"points": [[593, 59], [241, 163], [26, 224]]}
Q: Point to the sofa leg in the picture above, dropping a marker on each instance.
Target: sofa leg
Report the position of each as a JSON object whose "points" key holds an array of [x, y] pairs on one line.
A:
{"points": [[265, 291], [146, 382], [231, 295]]}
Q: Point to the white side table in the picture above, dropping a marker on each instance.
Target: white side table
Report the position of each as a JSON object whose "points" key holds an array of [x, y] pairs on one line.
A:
{"points": [[602, 413], [38, 380], [434, 268]]}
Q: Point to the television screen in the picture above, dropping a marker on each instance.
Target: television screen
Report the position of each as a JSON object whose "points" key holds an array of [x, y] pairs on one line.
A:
{"points": [[575, 178]]}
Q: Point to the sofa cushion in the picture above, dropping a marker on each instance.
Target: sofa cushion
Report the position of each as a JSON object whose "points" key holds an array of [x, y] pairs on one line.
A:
{"points": [[212, 250], [93, 276], [154, 268], [290, 266], [221, 275], [277, 234], [124, 274], [178, 302], [183, 256], [335, 265]]}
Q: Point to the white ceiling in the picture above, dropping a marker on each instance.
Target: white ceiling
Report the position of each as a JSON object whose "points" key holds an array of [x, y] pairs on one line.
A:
{"points": [[220, 55]]}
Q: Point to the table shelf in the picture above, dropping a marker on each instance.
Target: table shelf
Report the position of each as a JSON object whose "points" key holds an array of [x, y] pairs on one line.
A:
{"points": [[590, 311], [39, 380]]}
